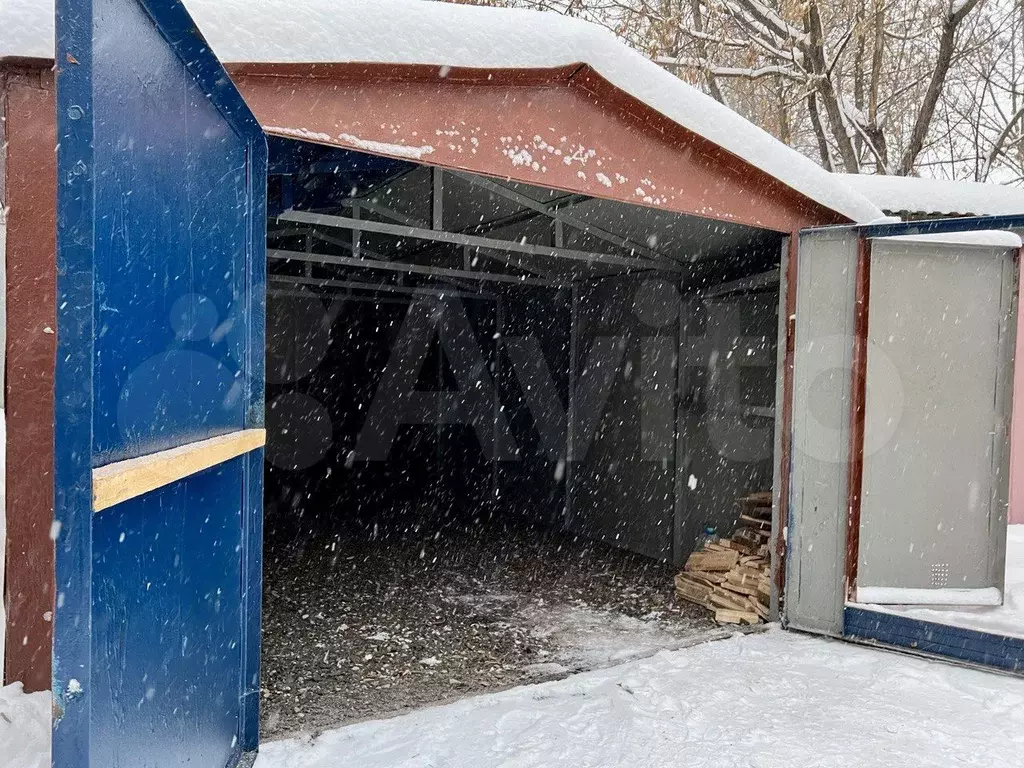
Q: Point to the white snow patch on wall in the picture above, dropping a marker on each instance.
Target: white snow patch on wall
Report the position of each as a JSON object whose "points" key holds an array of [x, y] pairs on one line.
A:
{"points": [[24, 728], [771, 699], [448, 35]]}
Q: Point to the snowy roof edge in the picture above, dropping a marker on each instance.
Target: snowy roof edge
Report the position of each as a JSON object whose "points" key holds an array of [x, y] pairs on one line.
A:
{"points": [[443, 34], [916, 195], [995, 238]]}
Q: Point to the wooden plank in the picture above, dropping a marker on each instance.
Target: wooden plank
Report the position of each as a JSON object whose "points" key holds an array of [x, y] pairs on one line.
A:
{"points": [[722, 598], [756, 569], [759, 608], [726, 616], [124, 480], [747, 535], [741, 590], [746, 577], [741, 547], [692, 591], [712, 561], [706, 577], [758, 499]]}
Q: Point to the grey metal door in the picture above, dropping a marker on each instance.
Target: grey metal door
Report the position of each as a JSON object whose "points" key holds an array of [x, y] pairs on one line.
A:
{"points": [[822, 282], [940, 339]]}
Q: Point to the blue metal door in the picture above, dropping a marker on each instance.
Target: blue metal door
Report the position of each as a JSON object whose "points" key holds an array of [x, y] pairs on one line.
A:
{"points": [[159, 394]]}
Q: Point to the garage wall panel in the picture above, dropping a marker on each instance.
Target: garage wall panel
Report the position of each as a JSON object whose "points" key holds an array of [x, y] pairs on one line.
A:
{"points": [[532, 376], [623, 447], [726, 408]]}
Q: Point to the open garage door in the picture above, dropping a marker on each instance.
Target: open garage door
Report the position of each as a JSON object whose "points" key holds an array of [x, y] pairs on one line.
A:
{"points": [[902, 383], [159, 394]]}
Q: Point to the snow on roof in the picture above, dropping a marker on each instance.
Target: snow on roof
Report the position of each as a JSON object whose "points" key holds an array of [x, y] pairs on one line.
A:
{"points": [[443, 34], [910, 194], [995, 238]]}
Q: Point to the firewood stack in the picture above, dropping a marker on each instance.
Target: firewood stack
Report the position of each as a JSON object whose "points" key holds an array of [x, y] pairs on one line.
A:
{"points": [[731, 577]]}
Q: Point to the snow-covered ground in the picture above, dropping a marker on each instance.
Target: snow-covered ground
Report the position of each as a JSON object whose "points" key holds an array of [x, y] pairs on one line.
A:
{"points": [[772, 699], [24, 728], [1006, 619], [586, 639]]}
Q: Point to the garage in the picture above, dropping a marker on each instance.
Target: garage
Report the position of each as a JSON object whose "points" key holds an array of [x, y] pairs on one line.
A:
{"points": [[476, 377], [360, 357]]}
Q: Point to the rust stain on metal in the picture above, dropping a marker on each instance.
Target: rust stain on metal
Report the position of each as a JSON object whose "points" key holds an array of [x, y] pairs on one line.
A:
{"points": [[858, 395], [786, 448], [30, 185]]}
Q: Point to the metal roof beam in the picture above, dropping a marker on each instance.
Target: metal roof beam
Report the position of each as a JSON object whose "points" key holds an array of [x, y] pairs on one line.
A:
{"points": [[391, 266], [554, 212], [358, 249], [418, 233], [361, 250], [356, 285], [384, 211], [758, 282]]}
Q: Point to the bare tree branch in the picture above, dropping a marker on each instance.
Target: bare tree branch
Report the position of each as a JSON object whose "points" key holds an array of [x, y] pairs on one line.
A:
{"points": [[1000, 142], [819, 132], [958, 12]]}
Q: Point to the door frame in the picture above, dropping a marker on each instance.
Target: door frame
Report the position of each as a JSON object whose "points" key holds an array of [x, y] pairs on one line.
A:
{"points": [[784, 519], [73, 379]]}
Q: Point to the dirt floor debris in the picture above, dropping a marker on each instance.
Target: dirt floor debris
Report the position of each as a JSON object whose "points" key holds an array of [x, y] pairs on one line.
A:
{"points": [[356, 627], [731, 577]]}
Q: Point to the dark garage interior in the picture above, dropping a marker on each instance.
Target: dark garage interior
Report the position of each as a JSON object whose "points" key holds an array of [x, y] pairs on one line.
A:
{"points": [[499, 418]]}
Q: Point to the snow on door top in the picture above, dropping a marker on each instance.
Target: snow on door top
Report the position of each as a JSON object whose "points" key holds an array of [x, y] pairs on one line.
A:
{"points": [[448, 35]]}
